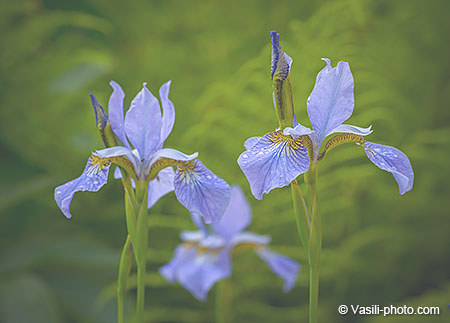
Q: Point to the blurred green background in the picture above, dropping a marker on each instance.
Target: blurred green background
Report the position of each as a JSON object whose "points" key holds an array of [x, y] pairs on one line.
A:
{"points": [[379, 247]]}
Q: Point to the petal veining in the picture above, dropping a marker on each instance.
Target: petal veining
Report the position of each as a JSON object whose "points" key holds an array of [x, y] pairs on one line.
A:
{"points": [[201, 191], [275, 161], [331, 101], [394, 161], [143, 123]]}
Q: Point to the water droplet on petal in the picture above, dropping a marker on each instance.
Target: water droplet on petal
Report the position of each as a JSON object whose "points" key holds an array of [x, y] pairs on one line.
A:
{"points": [[244, 156], [58, 192], [208, 177]]}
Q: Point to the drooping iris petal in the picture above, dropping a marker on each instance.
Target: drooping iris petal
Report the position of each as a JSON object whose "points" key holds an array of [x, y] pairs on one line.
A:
{"points": [[237, 216], [247, 237], [331, 101], [94, 176], [250, 142], [394, 161], [115, 109], [160, 186], [202, 271], [168, 117], [182, 254], [143, 123], [281, 62], [275, 161], [282, 266], [201, 191], [346, 128]]}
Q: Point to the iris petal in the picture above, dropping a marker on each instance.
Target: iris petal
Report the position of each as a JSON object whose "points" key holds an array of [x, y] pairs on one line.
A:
{"points": [[160, 186], [281, 62], [249, 237], [394, 161], [120, 151], [143, 123], [200, 274], [168, 153], [94, 176], [282, 266], [331, 101], [115, 109], [168, 117], [201, 191], [237, 216], [275, 161], [298, 130], [182, 254]]}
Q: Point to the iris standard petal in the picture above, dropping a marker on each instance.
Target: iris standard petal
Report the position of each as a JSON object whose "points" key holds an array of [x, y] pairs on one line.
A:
{"points": [[346, 128], [203, 271], [160, 186], [182, 254], [275, 161], [237, 216], [143, 123], [394, 161], [94, 176], [281, 62], [168, 117], [115, 109], [250, 142], [282, 266], [331, 101], [201, 191]]}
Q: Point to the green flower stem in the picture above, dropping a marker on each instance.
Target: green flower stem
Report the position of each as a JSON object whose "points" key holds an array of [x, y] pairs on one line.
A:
{"points": [[141, 246], [224, 306], [301, 215], [124, 272], [315, 243]]}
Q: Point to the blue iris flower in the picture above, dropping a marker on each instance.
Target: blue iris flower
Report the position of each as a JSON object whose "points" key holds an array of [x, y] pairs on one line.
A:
{"points": [[205, 257], [277, 158], [143, 132]]}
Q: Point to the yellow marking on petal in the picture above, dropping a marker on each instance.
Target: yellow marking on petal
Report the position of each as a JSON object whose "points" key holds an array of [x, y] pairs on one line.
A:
{"points": [[342, 139], [291, 145]]}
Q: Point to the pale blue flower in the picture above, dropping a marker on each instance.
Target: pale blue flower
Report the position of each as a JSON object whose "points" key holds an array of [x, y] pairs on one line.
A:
{"points": [[205, 257], [143, 131], [277, 158]]}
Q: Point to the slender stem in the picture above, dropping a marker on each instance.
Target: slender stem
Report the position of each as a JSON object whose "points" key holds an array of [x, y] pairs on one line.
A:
{"points": [[224, 301], [315, 243], [124, 271], [301, 215], [141, 248]]}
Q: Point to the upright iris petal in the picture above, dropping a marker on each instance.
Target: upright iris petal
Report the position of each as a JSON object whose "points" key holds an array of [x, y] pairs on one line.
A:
{"points": [[143, 123], [201, 191], [274, 161], [168, 117], [394, 161], [331, 101], [237, 216], [94, 176], [115, 109]]}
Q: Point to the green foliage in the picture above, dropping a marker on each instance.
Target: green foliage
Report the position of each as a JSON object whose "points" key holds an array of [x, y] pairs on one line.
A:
{"points": [[379, 247]]}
